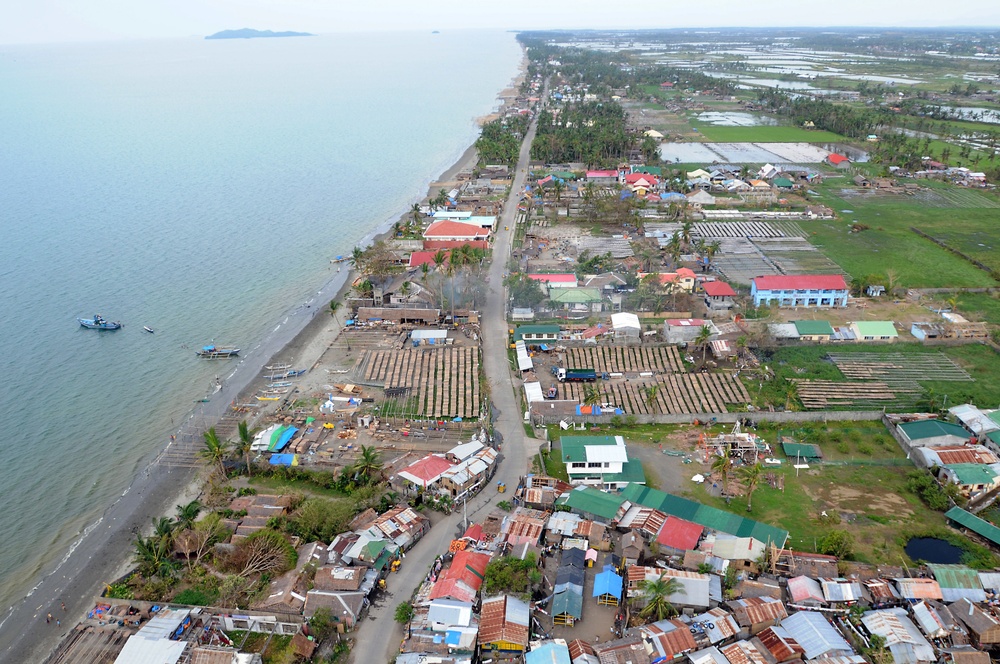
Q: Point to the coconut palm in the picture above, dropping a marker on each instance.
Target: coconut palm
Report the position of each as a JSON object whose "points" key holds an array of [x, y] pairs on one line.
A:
{"points": [[657, 591], [357, 258], [752, 476], [722, 465], [163, 528], [369, 464], [592, 395], [704, 334], [153, 556], [186, 515], [215, 450], [415, 214], [244, 443], [651, 393]]}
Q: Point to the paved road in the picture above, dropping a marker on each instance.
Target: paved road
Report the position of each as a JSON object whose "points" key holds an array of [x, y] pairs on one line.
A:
{"points": [[378, 637]]}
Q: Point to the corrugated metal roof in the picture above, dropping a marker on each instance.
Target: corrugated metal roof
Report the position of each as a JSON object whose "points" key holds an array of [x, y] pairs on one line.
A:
{"points": [[568, 602], [549, 653], [929, 621], [755, 610], [974, 523], [841, 590], [718, 625], [743, 652], [918, 588], [958, 581], [780, 644], [504, 618], [905, 642], [803, 589], [880, 590], [670, 638], [815, 634]]}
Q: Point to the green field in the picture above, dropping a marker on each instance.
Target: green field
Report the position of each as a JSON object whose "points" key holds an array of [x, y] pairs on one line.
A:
{"points": [[809, 362], [980, 306], [765, 134], [890, 244]]}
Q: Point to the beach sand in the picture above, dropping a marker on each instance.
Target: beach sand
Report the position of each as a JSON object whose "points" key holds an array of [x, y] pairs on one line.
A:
{"points": [[103, 553]]}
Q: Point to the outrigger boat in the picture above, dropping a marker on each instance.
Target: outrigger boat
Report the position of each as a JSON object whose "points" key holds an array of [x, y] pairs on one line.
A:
{"points": [[259, 398], [147, 328], [213, 352], [99, 323]]}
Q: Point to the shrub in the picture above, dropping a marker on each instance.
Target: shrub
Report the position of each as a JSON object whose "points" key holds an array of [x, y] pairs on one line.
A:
{"points": [[838, 543], [866, 449], [843, 448], [194, 597]]}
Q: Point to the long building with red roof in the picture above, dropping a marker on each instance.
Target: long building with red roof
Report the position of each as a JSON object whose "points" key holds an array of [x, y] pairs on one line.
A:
{"points": [[800, 290]]}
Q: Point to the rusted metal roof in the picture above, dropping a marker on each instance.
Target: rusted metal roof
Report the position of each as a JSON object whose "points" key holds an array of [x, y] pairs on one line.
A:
{"points": [[670, 638], [504, 618], [780, 644], [755, 610], [743, 652], [918, 588]]}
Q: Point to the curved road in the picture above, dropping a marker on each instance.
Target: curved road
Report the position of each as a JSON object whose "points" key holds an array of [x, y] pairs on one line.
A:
{"points": [[378, 637]]}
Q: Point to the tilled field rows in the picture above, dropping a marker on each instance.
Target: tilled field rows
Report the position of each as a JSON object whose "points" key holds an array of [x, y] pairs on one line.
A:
{"points": [[444, 381], [621, 359], [673, 394], [826, 394]]}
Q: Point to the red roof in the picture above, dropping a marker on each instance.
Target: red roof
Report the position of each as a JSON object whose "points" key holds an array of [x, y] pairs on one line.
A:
{"points": [[800, 282], [633, 178], [475, 532], [718, 289], [835, 158], [418, 258], [468, 567], [455, 244], [679, 534], [602, 174], [454, 589], [666, 84], [554, 278], [427, 469], [447, 228]]}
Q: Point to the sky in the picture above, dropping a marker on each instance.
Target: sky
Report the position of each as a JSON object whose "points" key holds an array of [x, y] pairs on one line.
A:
{"points": [[48, 21]]}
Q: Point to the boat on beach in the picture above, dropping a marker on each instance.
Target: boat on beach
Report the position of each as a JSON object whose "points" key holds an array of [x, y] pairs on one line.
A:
{"points": [[260, 398], [213, 352], [99, 323]]}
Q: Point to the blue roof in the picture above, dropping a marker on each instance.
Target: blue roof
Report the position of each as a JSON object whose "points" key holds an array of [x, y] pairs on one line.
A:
{"points": [[286, 437], [608, 583], [282, 459], [549, 653]]}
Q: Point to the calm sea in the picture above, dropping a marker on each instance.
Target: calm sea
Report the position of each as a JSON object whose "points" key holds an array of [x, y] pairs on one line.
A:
{"points": [[198, 187]]}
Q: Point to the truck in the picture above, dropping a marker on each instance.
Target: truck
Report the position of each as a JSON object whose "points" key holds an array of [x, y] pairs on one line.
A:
{"points": [[576, 375]]}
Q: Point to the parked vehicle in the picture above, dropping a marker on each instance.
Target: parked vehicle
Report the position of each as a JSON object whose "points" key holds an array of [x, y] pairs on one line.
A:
{"points": [[576, 375]]}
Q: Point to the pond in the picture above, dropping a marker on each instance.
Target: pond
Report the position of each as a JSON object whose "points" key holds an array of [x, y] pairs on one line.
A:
{"points": [[933, 550]]}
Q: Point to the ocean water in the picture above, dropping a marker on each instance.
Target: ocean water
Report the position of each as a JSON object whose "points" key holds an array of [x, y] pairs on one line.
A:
{"points": [[198, 187]]}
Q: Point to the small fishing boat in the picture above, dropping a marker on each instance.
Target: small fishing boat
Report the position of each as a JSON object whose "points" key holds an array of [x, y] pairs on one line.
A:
{"points": [[213, 352], [267, 398], [295, 372], [284, 383], [99, 323], [147, 328], [278, 367]]}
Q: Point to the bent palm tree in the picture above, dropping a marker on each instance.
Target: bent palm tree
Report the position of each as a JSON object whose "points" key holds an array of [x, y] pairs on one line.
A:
{"points": [[723, 465], [186, 515], [592, 395], [658, 591], [215, 450]]}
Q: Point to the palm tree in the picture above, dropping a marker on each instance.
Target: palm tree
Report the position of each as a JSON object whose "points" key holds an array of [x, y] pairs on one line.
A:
{"points": [[704, 334], [369, 464], [334, 307], [651, 393], [215, 450], [186, 515], [751, 475], [686, 232], [415, 214], [439, 258], [153, 556], [658, 591], [722, 465], [592, 395], [357, 259], [163, 528], [244, 443], [557, 188]]}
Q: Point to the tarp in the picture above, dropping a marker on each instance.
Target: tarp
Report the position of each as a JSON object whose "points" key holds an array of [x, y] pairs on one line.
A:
{"points": [[608, 583], [283, 439], [284, 459]]}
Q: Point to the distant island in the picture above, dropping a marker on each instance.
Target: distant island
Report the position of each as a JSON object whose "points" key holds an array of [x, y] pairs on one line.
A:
{"points": [[249, 33]]}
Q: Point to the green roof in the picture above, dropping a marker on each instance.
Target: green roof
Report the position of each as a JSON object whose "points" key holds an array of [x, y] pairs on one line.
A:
{"points": [[592, 501], [575, 295], [632, 473], [783, 182], [568, 603], [651, 170], [974, 523], [932, 429], [875, 328], [994, 415], [813, 327], [955, 576], [563, 175], [710, 517], [972, 473], [803, 450], [574, 448], [994, 436], [521, 330]]}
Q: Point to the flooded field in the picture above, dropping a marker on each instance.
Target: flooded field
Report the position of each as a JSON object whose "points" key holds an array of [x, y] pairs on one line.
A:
{"points": [[735, 119]]}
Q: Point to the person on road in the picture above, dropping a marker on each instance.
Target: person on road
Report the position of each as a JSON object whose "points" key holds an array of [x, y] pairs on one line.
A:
{"points": [[48, 618]]}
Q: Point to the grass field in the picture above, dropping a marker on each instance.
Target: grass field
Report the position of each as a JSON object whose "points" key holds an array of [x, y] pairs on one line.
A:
{"points": [[808, 362], [765, 134], [890, 244], [979, 306]]}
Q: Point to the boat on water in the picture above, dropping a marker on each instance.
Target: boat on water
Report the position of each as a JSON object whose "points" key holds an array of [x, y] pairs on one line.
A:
{"points": [[214, 352], [98, 322], [148, 329]]}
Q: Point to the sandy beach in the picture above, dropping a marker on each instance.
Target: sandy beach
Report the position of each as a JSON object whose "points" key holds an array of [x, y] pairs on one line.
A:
{"points": [[103, 552]]}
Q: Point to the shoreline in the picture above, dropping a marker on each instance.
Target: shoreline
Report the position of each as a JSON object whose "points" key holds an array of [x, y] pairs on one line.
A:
{"points": [[101, 553]]}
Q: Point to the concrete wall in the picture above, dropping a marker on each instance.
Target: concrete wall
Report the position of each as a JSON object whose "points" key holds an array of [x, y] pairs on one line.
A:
{"points": [[757, 416]]}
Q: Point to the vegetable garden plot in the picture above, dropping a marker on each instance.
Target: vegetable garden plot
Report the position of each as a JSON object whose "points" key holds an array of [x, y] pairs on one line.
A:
{"points": [[721, 229], [614, 359], [892, 367], [442, 382], [676, 393]]}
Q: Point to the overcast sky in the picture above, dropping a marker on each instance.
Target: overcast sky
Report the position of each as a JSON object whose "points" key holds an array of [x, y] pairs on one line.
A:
{"points": [[33, 21]]}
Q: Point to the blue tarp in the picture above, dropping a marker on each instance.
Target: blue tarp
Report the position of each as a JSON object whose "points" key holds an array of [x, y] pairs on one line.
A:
{"points": [[608, 583], [452, 637], [544, 347], [282, 459], [285, 438]]}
